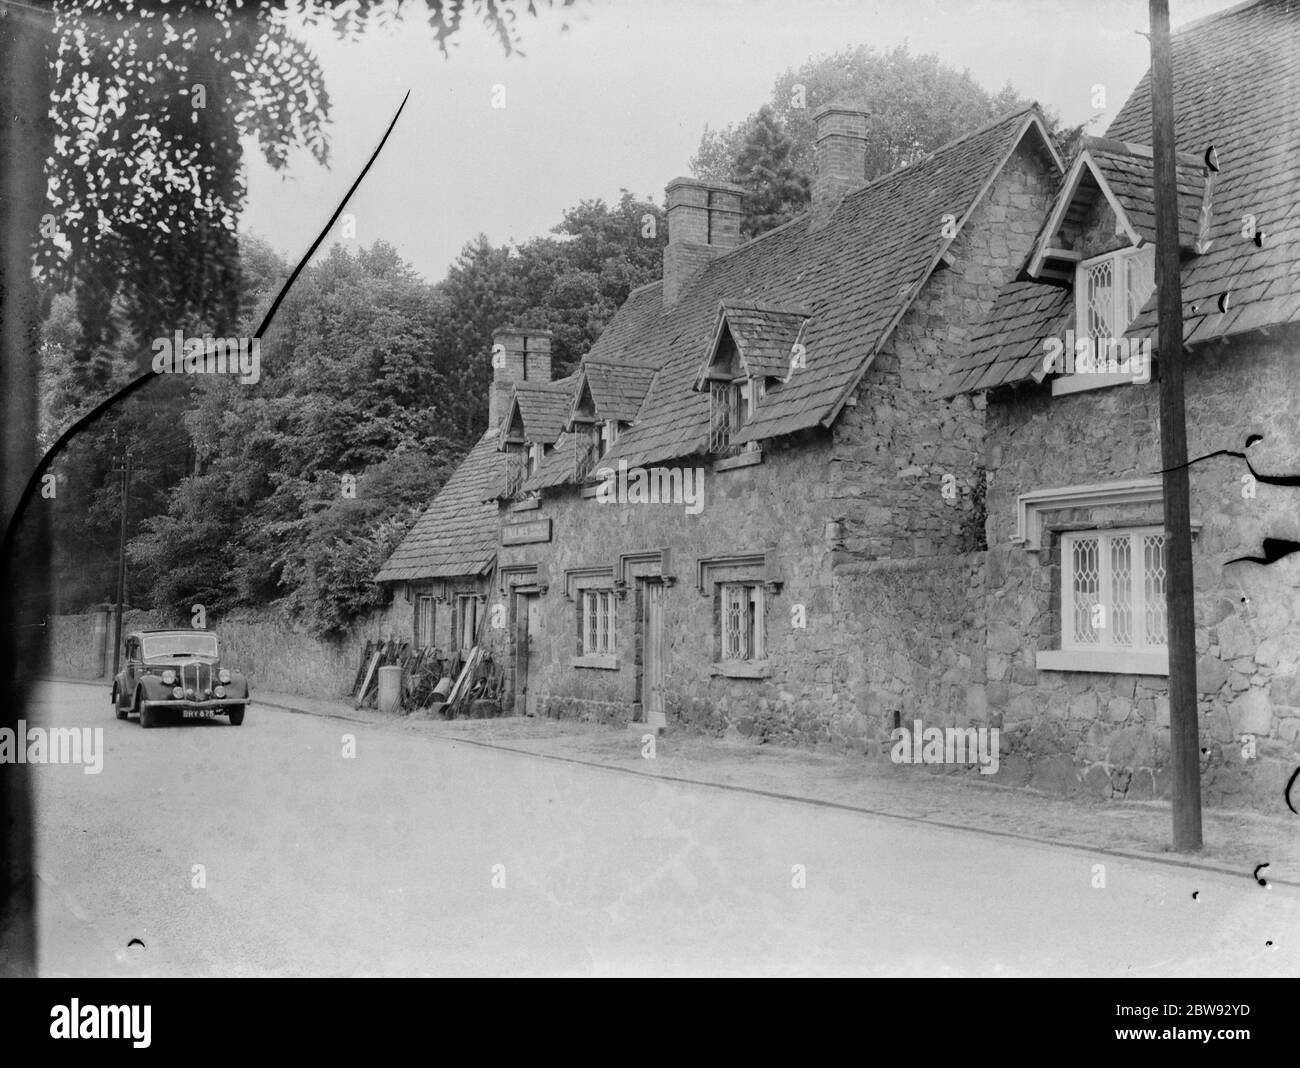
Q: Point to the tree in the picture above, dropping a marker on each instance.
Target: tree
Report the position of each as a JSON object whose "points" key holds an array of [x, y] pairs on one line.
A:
{"points": [[570, 282], [775, 189], [573, 282], [917, 104], [146, 205], [344, 433]]}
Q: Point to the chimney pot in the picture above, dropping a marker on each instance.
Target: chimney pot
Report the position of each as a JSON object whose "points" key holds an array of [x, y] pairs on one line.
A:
{"points": [[523, 355], [703, 223], [839, 156]]}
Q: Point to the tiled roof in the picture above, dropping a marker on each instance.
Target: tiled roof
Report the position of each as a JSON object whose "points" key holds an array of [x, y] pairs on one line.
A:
{"points": [[457, 534], [1128, 171], [857, 274], [617, 389], [556, 468], [764, 334], [1236, 87], [1008, 346], [543, 407]]}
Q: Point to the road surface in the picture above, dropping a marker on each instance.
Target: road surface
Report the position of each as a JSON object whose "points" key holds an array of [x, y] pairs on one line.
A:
{"points": [[206, 849]]}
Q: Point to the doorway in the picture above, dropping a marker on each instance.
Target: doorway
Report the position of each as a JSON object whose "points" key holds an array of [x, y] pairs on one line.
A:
{"points": [[527, 651], [652, 654]]}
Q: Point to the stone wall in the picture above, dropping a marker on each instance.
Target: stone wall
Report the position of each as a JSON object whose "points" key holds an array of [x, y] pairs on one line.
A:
{"points": [[275, 653], [1109, 733], [865, 535], [912, 638], [908, 471], [879, 636], [782, 504]]}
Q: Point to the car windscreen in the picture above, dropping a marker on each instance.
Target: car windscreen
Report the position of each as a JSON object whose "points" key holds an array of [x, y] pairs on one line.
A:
{"points": [[180, 645]]}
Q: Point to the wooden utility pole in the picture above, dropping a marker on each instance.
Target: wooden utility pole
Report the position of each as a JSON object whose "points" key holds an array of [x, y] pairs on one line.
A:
{"points": [[121, 563], [1184, 731]]}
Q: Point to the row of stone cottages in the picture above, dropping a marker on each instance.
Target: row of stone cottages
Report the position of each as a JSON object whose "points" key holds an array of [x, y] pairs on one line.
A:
{"points": [[813, 486]]}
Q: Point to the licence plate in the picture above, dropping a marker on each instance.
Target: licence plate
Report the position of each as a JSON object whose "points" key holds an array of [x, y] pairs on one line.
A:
{"points": [[197, 713]]}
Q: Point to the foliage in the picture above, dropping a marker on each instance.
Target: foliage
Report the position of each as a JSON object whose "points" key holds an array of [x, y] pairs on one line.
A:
{"points": [[775, 189], [149, 103], [916, 103]]}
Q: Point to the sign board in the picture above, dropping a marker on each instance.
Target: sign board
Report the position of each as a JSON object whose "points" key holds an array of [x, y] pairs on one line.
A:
{"points": [[525, 533]]}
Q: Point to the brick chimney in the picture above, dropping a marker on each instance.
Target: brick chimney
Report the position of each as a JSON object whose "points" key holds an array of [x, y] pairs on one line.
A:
{"points": [[526, 358], [839, 156], [703, 223]]}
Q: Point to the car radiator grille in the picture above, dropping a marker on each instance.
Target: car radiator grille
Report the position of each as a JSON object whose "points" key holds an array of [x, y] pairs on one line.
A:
{"points": [[196, 677]]}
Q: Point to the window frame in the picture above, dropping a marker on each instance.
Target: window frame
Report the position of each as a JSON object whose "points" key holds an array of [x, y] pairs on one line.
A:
{"points": [[731, 396], [1119, 293], [458, 620], [1106, 655], [598, 604], [425, 639], [754, 638], [607, 436]]}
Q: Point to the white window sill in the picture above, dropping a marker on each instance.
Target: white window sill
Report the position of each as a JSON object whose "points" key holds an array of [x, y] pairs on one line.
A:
{"points": [[743, 669], [1082, 382], [602, 661], [1106, 661]]}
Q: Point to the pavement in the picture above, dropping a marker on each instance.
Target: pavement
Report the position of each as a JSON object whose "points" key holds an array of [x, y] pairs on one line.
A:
{"points": [[1234, 842], [319, 840]]}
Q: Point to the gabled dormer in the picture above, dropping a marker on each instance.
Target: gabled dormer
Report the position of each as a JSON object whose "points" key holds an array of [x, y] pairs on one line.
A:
{"points": [[1099, 242], [534, 420], [606, 398], [753, 347], [1120, 174]]}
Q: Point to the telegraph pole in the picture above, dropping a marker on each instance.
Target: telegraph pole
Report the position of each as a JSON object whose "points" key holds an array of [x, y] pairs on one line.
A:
{"points": [[1184, 732], [125, 469]]}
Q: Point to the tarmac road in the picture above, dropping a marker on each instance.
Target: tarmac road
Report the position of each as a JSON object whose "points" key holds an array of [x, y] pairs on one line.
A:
{"points": [[265, 850]]}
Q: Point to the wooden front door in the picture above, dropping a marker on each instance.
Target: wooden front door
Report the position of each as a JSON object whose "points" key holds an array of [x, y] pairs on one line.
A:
{"points": [[652, 663], [527, 633]]}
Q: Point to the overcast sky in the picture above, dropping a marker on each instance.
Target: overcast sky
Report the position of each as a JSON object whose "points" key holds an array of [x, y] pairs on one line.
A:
{"points": [[620, 98]]}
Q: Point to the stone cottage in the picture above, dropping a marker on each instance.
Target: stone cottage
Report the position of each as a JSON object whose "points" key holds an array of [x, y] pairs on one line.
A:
{"points": [[445, 563], [757, 514], [1074, 598]]}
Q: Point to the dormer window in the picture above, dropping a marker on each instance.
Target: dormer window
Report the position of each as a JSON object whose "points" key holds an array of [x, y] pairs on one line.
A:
{"points": [[728, 410], [536, 452], [608, 435], [1110, 290], [731, 406], [592, 444], [752, 344]]}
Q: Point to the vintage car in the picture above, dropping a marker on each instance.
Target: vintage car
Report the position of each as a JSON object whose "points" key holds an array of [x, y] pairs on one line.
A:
{"points": [[177, 671]]}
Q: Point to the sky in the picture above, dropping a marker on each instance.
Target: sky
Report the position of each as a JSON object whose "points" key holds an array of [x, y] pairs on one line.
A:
{"points": [[619, 99]]}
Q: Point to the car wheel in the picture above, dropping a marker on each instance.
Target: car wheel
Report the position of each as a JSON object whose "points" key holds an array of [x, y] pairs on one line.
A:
{"points": [[122, 713], [148, 717], [237, 715]]}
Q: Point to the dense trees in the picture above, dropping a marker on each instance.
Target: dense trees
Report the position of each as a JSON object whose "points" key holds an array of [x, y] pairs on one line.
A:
{"points": [[373, 386], [917, 104]]}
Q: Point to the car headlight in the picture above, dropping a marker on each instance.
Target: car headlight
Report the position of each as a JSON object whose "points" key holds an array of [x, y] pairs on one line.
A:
{"points": [[220, 691], [224, 676], [177, 693], [189, 694], [169, 677]]}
